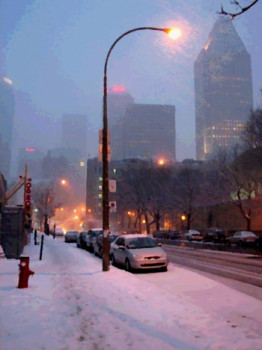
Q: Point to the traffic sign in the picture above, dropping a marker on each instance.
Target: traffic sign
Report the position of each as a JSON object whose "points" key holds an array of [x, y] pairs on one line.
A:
{"points": [[112, 186], [112, 206]]}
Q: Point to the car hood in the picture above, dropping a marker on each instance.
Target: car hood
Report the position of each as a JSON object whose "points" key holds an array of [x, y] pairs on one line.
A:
{"points": [[147, 251]]}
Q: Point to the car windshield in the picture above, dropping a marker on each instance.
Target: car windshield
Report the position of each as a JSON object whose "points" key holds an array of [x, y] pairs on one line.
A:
{"points": [[73, 232], [192, 232], [112, 238], [141, 242], [96, 233], [248, 234]]}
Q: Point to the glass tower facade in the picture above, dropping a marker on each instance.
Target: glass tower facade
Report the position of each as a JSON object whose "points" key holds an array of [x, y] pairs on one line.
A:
{"points": [[223, 90]]}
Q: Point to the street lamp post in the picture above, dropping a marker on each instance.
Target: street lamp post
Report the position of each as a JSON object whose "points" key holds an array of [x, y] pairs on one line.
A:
{"points": [[174, 33]]}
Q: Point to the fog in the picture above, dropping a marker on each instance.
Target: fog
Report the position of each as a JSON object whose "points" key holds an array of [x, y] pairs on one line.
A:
{"points": [[54, 52]]}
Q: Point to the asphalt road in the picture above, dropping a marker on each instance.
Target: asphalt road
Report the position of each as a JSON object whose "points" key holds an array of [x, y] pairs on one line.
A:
{"points": [[231, 267]]}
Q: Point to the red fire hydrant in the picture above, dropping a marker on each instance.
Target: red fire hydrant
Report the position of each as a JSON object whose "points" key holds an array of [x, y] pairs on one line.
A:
{"points": [[24, 272]]}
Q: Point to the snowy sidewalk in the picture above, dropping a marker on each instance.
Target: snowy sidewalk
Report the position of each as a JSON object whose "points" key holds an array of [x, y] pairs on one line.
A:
{"points": [[72, 305]]}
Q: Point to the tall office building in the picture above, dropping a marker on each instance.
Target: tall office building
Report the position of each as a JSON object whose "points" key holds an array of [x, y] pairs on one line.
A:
{"points": [[7, 112], [33, 158], [74, 133], [118, 99], [223, 90], [149, 132]]}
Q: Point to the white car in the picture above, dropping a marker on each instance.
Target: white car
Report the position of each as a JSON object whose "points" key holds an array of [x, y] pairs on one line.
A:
{"points": [[193, 235], [138, 251], [243, 238], [59, 232]]}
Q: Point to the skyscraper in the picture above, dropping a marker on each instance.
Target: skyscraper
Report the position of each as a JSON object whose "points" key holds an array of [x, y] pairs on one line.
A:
{"points": [[74, 133], [223, 89], [117, 101], [149, 132], [7, 111]]}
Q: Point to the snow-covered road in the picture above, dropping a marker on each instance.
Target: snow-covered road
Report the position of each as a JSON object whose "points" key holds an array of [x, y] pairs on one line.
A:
{"points": [[72, 304]]}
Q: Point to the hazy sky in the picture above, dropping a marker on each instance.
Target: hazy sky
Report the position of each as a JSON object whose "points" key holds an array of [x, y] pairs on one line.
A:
{"points": [[54, 51]]}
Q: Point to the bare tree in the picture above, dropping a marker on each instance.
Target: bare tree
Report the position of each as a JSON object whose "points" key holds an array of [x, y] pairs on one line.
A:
{"points": [[43, 197], [187, 192], [240, 9], [252, 136], [143, 189], [240, 182]]}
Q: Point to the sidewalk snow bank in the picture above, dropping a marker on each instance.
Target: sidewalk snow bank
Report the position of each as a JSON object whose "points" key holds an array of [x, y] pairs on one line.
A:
{"points": [[72, 304]]}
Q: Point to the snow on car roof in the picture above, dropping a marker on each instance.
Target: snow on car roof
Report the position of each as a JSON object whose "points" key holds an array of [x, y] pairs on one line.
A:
{"points": [[135, 235]]}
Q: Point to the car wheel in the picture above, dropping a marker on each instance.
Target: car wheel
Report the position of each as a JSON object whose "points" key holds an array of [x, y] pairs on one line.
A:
{"points": [[164, 269], [113, 260], [127, 265]]}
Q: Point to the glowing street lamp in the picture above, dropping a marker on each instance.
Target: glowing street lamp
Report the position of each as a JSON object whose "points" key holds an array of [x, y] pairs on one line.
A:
{"points": [[63, 182], [161, 161], [183, 218], [174, 33]]}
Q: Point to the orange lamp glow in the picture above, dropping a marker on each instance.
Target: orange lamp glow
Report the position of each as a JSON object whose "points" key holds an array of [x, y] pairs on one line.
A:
{"points": [[63, 182], [161, 161], [174, 33], [183, 217]]}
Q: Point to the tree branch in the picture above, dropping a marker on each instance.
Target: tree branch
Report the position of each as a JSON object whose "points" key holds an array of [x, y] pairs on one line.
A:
{"points": [[241, 9]]}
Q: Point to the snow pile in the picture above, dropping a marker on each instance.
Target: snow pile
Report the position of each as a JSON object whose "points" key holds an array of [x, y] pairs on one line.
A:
{"points": [[72, 304]]}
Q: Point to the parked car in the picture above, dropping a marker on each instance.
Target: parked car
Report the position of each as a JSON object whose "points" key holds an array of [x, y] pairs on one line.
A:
{"points": [[71, 236], [138, 251], [81, 241], [166, 234], [98, 243], [193, 235], [91, 237], [243, 238], [259, 243], [215, 234], [58, 232]]}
